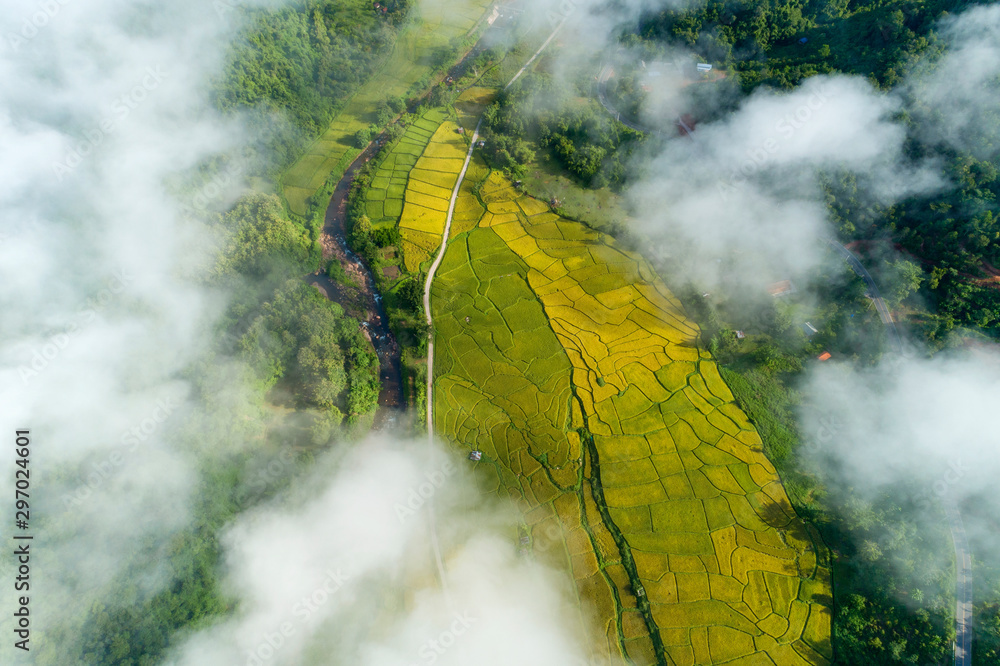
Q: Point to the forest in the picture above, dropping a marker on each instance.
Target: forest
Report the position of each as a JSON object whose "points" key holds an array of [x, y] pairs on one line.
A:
{"points": [[293, 68], [301, 62], [540, 113], [953, 234]]}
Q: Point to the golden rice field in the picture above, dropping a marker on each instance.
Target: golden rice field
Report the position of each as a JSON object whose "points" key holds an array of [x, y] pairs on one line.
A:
{"points": [[412, 58], [428, 194], [571, 366], [384, 198]]}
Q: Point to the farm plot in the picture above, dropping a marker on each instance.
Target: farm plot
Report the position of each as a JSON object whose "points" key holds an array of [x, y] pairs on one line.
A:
{"points": [[428, 194], [687, 519], [413, 57], [384, 198], [504, 389]]}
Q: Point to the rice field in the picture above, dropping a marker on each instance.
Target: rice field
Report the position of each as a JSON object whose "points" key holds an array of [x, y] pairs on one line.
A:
{"points": [[384, 199], [428, 194], [412, 58], [567, 362]]}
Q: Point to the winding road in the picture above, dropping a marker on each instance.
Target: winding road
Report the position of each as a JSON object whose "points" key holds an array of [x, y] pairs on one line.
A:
{"points": [[873, 293]]}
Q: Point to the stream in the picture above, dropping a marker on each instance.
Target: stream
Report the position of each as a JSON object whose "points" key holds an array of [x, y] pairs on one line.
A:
{"points": [[367, 299]]}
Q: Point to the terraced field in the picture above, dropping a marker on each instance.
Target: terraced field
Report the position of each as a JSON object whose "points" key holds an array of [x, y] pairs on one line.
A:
{"points": [[428, 194], [414, 56], [384, 199], [571, 366]]}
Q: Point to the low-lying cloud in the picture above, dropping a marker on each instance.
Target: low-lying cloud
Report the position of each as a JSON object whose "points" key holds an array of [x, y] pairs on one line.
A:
{"points": [[343, 570]]}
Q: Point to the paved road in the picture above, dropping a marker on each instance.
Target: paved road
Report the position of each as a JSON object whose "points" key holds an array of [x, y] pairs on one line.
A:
{"points": [[963, 560], [607, 73], [963, 585], [602, 94], [873, 292]]}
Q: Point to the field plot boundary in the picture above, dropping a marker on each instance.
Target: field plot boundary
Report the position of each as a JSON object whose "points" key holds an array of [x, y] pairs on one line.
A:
{"points": [[393, 78], [744, 579]]}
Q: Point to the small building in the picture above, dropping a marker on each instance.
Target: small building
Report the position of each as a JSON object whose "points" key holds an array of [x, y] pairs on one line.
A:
{"points": [[804, 40], [825, 356], [782, 288], [476, 456], [704, 67], [809, 329], [740, 335]]}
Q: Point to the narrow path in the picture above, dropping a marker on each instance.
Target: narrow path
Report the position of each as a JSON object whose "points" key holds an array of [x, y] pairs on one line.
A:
{"points": [[430, 279], [432, 516], [430, 353], [444, 244]]}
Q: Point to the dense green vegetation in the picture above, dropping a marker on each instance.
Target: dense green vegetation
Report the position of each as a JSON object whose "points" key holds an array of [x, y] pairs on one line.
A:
{"points": [[303, 62], [539, 113], [955, 233], [260, 239], [319, 355], [760, 39], [896, 579], [308, 367]]}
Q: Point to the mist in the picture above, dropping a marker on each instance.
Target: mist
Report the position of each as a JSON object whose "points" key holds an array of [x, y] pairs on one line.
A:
{"points": [[743, 200], [108, 355], [107, 311], [343, 570]]}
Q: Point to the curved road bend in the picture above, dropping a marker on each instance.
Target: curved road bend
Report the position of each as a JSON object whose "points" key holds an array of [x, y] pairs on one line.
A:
{"points": [[873, 292]]}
